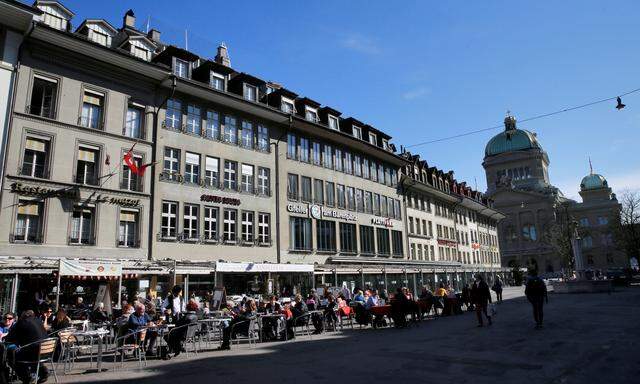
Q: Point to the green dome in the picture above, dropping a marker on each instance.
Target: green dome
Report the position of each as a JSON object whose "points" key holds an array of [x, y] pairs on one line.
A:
{"points": [[593, 181], [511, 140]]}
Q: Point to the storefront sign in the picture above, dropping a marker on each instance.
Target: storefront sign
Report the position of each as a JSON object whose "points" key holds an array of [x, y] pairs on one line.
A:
{"points": [[383, 221], [44, 193], [447, 242], [263, 267], [90, 268], [220, 199], [335, 214], [475, 245], [70, 193], [316, 211], [298, 208]]}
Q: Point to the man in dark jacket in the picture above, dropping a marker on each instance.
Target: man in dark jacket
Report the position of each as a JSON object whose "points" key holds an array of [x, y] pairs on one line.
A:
{"points": [[27, 330], [536, 292], [481, 297], [176, 337]]}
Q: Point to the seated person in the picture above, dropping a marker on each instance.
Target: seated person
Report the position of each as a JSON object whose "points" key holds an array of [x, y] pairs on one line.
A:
{"points": [[359, 297], [27, 330], [273, 306], [99, 315], [311, 302], [176, 337], [139, 320], [5, 327], [60, 321], [399, 307], [240, 324], [330, 311], [46, 316]]}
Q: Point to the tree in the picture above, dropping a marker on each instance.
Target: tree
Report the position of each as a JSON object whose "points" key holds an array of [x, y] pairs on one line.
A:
{"points": [[626, 224]]}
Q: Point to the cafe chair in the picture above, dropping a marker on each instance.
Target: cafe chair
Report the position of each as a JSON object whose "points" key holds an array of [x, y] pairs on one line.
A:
{"points": [[251, 335], [46, 349]]}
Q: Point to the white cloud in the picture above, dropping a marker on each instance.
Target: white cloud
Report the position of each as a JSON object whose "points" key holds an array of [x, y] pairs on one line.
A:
{"points": [[361, 44], [415, 93]]}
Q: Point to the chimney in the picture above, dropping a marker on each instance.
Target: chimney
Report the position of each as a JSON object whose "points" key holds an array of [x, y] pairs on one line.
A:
{"points": [[129, 19], [154, 35], [222, 57]]}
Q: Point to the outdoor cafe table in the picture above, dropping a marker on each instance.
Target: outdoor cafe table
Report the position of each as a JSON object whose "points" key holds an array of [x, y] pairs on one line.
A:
{"points": [[162, 330], [379, 312], [97, 335]]}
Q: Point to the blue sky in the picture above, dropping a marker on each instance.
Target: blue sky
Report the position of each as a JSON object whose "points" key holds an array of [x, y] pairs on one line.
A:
{"points": [[422, 70]]}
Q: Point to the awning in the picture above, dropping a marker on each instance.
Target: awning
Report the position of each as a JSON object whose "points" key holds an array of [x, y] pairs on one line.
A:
{"points": [[90, 268], [263, 267]]}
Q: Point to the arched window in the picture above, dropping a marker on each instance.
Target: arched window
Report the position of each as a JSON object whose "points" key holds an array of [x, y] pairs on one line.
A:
{"points": [[529, 232]]}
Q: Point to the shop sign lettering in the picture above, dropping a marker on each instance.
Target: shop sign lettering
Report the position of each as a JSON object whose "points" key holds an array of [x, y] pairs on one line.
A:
{"points": [[220, 199], [383, 221], [298, 208], [335, 214]]}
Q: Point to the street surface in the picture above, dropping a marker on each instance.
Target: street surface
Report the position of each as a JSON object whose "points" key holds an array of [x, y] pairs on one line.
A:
{"points": [[588, 338]]}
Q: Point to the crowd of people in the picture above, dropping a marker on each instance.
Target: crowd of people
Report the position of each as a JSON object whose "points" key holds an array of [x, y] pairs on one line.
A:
{"points": [[279, 317]]}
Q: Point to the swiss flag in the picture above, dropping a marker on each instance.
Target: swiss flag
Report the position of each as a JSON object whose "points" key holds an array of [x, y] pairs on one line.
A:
{"points": [[131, 163]]}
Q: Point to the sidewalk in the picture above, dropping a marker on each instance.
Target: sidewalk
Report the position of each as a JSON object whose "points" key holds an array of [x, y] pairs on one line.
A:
{"points": [[587, 339]]}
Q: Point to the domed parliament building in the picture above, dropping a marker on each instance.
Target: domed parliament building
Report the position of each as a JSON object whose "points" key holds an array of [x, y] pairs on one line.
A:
{"points": [[517, 171]]}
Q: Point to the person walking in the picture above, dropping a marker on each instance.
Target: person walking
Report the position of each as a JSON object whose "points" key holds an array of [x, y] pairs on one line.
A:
{"points": [[497, 288], [536, 292], [481, 297]]}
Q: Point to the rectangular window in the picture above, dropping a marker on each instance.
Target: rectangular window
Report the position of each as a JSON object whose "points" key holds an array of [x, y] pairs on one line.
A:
{"points": [[29, 221], [92, 109], [387, 176], [168, 228], [380, 173], [334, 123], [339, 162], [357, 132], [287, 106], [367, 241], [263, 138], [327, 157], [35, 162], [359, 200], [210, 224], [130, 180], [357, 165], [368, 202], [326, 235], [305, 185], [192, 168], [247, 227], [341, 196], [311, 114], [300, 233], [247, 178], [291, 146], [250, 92], [316, 153], [396, 240], [374, 171], [348, 163], [173, 117], [43, 97], [212, 127], [396, 210], [264, 181], [376, 204], [230, 130], [382, 237], [87, 167], [133, 122], [351, 199], [304, 150], [180, 68], [229, 225], [172, 163], [216, 81], [247, 134], [348, 238], [373, 139], [330, 194], [230, 175], [264, 233], [212, 172], [365, 168], [390, 207], [318, 191], [190, 222], [383, 206], [193, 120], [292, 186], [82, 222]]}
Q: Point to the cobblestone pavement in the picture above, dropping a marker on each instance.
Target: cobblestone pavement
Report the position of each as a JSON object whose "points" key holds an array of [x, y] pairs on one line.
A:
{"points": [[589, 338]]}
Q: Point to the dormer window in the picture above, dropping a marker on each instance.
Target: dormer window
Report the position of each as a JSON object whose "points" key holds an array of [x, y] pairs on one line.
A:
{"points": [[250, 92], [357, 132], [287, 106], [373, 139], [385, 144], [333, 122], [99, 37], [54, 14], [311, 114], [217, 81], [180, 68]]}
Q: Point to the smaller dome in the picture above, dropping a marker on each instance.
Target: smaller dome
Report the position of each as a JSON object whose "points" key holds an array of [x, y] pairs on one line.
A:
{"points": [[593, 181]]}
